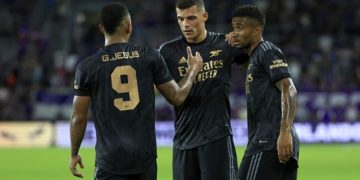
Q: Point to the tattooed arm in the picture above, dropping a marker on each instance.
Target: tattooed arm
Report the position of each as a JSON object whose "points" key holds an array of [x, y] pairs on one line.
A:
{"points": [[176, 94], [77, 130], [288, 109]]}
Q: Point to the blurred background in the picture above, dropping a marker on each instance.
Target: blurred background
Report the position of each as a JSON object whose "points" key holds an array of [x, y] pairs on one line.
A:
{"points": [[41, 42]]}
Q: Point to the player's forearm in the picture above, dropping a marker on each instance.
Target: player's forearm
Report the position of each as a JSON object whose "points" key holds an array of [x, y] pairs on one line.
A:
{"points": [[177, 93], [77, 131], [288, 107], [185, 87]]}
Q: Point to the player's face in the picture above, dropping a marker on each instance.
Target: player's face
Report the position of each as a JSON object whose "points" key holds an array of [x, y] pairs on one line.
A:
{"points": [[247, 30], [192, 23]]}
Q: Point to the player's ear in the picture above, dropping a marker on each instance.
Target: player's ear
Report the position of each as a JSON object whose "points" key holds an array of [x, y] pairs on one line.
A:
{"points": [[128, 25], [101, 28], [259, 30], [205, 16], [128, 28]]}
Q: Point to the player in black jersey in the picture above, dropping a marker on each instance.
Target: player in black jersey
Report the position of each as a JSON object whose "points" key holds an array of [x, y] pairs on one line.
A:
{"points": [[273, 148], [118, 81], [203, 146]]}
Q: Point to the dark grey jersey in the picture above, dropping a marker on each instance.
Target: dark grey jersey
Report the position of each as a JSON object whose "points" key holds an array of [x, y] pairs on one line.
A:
{"points": [[119, 79], [267, 66], [205, 115]]}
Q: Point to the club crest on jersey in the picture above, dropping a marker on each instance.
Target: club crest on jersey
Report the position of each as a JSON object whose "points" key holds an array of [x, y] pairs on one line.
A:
{"points": [[215, 53], [183, 60]]}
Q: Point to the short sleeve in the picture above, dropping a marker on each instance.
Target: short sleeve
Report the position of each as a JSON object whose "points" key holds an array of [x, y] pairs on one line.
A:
{"points": [[275, 65], [160, 71], [83, 81]]}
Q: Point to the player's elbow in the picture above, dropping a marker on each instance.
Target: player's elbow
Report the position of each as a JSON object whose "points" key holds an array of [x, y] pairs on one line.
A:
{"points": [[78, 119], [177, 100], [292, 91], [292, 96]]}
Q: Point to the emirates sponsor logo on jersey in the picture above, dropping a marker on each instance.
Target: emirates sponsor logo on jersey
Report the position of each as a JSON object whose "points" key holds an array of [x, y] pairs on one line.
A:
{"points": [[209, 70]]}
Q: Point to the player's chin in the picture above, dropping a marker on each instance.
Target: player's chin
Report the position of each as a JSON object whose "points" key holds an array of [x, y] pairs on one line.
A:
{"points": [[243, 45], [238, 46], [188, 34]]}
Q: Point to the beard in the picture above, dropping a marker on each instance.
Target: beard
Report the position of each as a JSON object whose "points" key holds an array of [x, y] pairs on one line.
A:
{"points": [[245, 46]]}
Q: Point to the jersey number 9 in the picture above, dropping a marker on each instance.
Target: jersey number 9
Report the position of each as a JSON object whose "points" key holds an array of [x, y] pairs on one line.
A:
{"points": [[130, 87]]}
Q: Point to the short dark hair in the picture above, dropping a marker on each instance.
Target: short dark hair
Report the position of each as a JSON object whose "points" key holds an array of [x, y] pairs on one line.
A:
{"points": [[250, 11], [183, 4], [112, 15]]}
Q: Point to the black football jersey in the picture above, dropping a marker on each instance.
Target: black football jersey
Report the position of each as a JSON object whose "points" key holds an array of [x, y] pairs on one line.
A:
{"points": [[205, 115], [119, 79], [267, 65]]}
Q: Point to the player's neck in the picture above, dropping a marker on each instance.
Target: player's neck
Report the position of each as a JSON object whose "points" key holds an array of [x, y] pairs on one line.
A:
{"points": [[257, 41], [115, 39], [198, 39]]}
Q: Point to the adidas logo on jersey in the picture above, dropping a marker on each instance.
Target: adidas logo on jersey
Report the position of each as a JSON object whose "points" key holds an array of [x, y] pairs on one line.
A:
{"points": [[183, 60]]}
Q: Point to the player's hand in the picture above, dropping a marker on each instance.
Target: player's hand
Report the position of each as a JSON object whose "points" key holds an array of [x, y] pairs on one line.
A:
{"points": [[284, 146], [232, 39], [74, 160], [195, 63]]}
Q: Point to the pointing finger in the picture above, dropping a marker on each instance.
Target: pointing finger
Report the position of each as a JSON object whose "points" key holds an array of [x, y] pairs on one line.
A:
{"points": [[188, 49]]}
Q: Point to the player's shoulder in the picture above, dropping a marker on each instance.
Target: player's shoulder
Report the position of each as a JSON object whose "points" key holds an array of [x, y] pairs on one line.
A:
{"points": [[89, 61], [144, 51], [170, 44], [267, 51], [218, 39], [267, 46], [148, 54], [141, 49], [135, 47]]}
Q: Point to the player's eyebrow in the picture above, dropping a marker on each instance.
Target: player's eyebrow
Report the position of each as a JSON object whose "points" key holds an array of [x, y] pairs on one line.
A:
{"points": [[191, 17], [237, 23], [187, 17]]}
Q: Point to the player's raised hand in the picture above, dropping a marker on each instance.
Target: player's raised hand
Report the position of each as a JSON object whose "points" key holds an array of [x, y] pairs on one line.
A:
{"points": [[195, 63], [284, 146], [232, 38], [74, 160]]}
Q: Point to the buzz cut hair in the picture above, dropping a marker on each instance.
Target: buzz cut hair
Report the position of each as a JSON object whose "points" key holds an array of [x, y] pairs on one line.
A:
{"points": [[250, 11], [112, 15], [184, 4]]}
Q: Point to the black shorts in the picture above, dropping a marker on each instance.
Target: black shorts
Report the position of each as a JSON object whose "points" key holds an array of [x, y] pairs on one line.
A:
{"points": [[213, 161], [266, 166], [149, 174]]}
